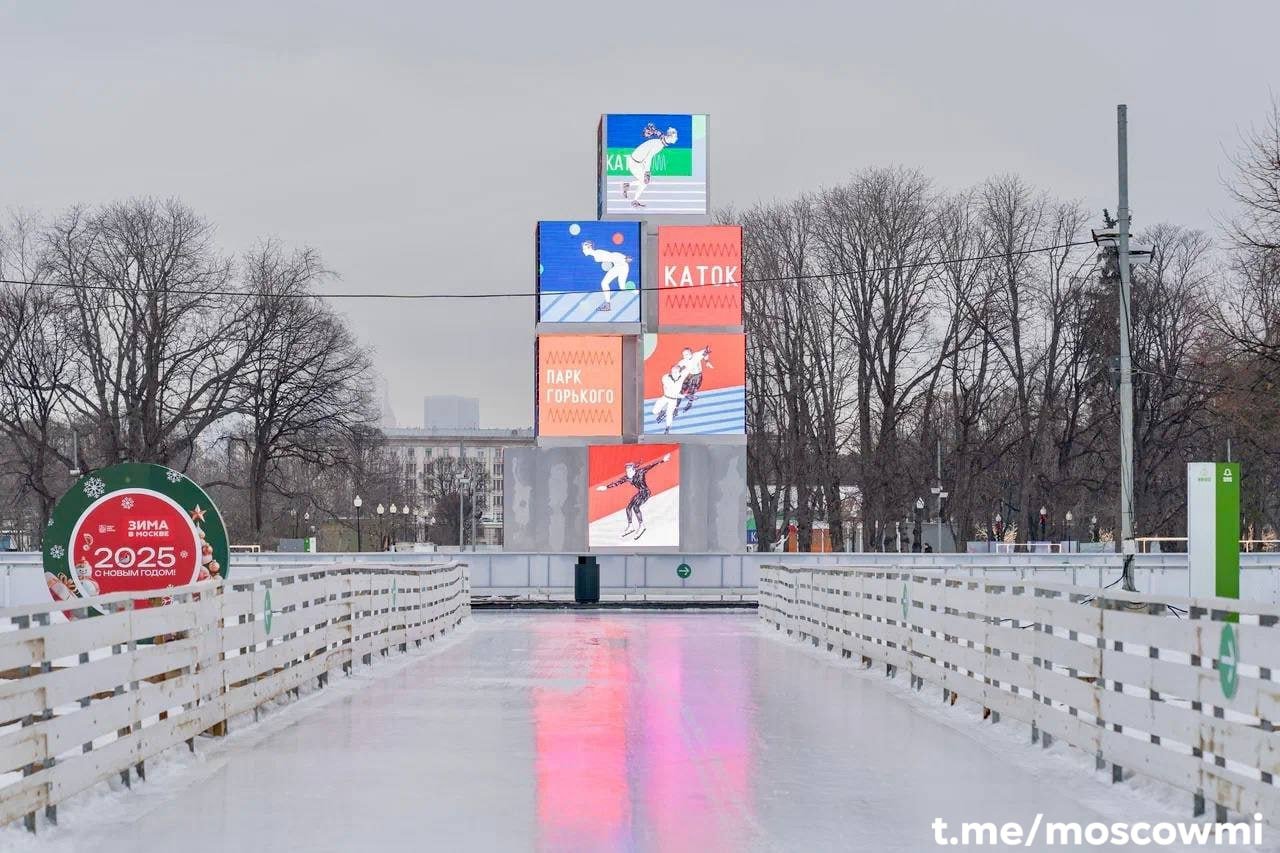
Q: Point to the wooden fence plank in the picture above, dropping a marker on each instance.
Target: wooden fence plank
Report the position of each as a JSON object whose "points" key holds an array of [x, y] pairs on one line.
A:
{"points": [[146, 698]]}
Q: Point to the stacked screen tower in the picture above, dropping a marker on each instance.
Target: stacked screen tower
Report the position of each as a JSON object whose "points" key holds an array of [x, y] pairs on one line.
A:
{"points": [[639, 360]]}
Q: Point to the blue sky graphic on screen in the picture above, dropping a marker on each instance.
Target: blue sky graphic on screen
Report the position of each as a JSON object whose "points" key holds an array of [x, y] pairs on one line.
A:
{"points": [[589, 272], [653, 163]]}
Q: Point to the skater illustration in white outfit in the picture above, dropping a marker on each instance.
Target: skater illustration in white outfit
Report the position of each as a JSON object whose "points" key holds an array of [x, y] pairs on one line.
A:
{"points": [[669, 402], [635, 475], [639, 160], [691, 364], [616, 266]]}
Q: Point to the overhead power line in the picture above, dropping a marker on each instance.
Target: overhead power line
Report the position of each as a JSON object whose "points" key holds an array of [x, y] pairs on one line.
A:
{"points": [[246, 294]]}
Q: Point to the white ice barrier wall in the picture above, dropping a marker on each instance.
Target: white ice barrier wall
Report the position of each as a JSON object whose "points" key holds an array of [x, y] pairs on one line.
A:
{"points": [[91, 698], [1188, 698]]}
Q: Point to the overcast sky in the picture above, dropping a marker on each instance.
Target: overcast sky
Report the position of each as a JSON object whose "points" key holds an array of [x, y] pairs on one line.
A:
{"points": [[416, 144]]}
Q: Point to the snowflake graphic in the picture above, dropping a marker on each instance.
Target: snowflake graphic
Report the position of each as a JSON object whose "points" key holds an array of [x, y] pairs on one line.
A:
{"points": [[49, 523], [172, 476], [127, 503], [183, 554], [95, 488], [57, 552]]}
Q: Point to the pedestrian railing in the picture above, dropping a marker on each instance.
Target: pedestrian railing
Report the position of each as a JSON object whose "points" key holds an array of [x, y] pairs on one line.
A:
{"points": [[92, 688], [1183, 690]]}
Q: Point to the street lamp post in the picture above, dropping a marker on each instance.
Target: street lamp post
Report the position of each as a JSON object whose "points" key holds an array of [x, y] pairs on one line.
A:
{"points": [[998, 528], [474, 517], [395, 527], [306, 519], [359, 541], [1071, 528], [293, 512], [1044, 524], [463, 482], [382, 528]]}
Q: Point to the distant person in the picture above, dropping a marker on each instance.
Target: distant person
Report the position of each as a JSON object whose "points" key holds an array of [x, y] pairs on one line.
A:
{"points": [[616, 267], [635, 475], [640, 160]]}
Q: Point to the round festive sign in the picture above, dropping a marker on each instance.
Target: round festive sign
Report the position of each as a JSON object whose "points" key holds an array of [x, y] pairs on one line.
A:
{"points": [[133, 528]]}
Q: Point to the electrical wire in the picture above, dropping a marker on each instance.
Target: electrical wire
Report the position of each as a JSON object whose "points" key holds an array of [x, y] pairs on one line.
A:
{"points": [[242, 294]]}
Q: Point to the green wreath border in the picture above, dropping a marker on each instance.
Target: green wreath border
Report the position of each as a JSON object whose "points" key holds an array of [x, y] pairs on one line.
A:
{"points": [[131, 475]]}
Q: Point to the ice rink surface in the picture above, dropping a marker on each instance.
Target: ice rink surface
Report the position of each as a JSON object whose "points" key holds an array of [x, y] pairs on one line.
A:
{"points": [[603, 730]]}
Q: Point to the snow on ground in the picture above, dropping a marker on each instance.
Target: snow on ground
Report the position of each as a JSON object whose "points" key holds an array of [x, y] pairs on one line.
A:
{"points": [[604, 730]]}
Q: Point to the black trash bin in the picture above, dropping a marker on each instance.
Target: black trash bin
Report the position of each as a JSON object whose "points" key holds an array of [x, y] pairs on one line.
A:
{"points": [[586, 581]]}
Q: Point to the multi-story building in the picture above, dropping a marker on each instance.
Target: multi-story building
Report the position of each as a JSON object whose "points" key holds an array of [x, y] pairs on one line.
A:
{"points": [[414, 449]]}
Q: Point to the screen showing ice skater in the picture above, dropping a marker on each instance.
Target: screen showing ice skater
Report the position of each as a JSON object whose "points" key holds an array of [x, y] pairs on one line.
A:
{"points": [[589, 272], [616, 267], [634, 475], [652, 164], [645, 511], [685, 393], [640, 161]]}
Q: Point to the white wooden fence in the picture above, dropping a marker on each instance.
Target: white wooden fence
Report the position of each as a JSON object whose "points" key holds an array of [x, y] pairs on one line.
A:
{"points": [[94, 696], [1182, 690]]}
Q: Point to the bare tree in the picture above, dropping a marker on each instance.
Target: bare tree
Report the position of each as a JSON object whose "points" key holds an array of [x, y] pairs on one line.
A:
{"points": [[305, 387], [876, 235], [160, 332], [1256, 187]]}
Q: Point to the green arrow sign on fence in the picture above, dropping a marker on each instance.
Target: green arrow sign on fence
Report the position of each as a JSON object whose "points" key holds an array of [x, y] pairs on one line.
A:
{"points": [[266, 610], [684, 570], [1228, 658]]}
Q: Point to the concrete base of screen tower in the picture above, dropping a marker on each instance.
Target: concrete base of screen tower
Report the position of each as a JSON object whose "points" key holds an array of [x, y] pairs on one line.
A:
{"points": [[545, 500]]}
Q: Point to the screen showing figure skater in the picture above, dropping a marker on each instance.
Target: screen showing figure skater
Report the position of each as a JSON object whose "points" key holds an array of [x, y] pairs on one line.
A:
{"points": [[652, 164], [687, 391], [633, 497], [634, 475], [589, 272]]}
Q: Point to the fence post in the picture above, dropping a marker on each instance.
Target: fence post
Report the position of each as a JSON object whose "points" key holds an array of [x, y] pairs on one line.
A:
{"points": [[29, 819]]}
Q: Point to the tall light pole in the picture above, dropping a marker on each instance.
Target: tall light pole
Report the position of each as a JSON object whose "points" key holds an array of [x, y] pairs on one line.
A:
{"points": [[463, 482], [395, 530], [382, 527], [359, 540], [293, 512], [939, 494], [1128, 545], [917, 529]]}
